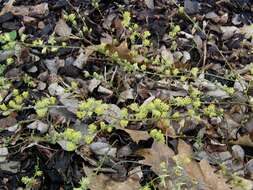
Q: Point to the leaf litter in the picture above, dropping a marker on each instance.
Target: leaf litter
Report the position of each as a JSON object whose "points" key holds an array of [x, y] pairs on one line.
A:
{"points": [[126, 95]]}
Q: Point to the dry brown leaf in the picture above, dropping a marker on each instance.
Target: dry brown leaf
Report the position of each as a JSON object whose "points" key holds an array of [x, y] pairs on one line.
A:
{"points": [[244, 140], [137, 135], [8, 121], [122, 50], [104, 182], [36, 10], [83, 57], [184, 156], [62, 29], [202, 172], [212, 180], [247, 30], [166, 127], [7, 7], [150, 4], [154, 156]]}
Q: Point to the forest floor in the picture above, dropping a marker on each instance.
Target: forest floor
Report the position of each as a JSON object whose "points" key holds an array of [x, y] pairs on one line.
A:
{"points": [[126, 94]]}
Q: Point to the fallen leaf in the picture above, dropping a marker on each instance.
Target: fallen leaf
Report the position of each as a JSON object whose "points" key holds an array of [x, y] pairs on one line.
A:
{"points": [[244, 140], [104, 182], [122, 50], [62, 29], [40, 126], [3, 154], [167, 55], [54, 64], [213, 16], [104, 90], [55, 89], [101, 149], [137, 135], [210, 177], [191, 6], [70, 103], [7, 122], [10, 166], [218, 93], [249, 168], [7, 7], [156, 155], [150, 4], [184, 156], [126, 95], [228, 31], [247, 30], [93, 83], [82, 58], [112, 113], [36, 10]]}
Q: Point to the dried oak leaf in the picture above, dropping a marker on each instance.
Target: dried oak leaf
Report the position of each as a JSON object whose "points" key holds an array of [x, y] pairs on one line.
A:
{"points": [[7, 122], [104, 182], [36, 10], [202, 172], [62, 29], [244, 140], [137, 135], [156, 155], [210, 177]]}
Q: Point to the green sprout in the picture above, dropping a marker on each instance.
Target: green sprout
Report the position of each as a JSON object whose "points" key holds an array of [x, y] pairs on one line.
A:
{"points": [[41, 106], [8, 40], [84, 184], [30, 182], [175, 29], [89, 107], [157, 135], [126, 19], [212, 111]]}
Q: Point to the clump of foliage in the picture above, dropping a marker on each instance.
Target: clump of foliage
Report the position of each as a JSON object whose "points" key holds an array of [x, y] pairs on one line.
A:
{"points": [[30, 182], [41, 106]]}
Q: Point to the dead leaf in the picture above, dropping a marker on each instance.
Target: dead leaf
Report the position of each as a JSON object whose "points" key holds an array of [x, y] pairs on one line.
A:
{"points": [[3, 154], [93, 83], [36, 10], [167, 55], [137, 135], [10, 166], [40, 126], [154, 156], [191, 7], [247, 30], [62, 29], [70, 103], [210, 177], [7, 7], [55, 89], [244, 140], [218, 93], [112, 114], [100, 148], [54, 64], [104, 90], [82, 59], [126, 95], [104, 182], [184, 156], [150, 4], [122, 50], [228, 31], [7, 122], [213, 16]]}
